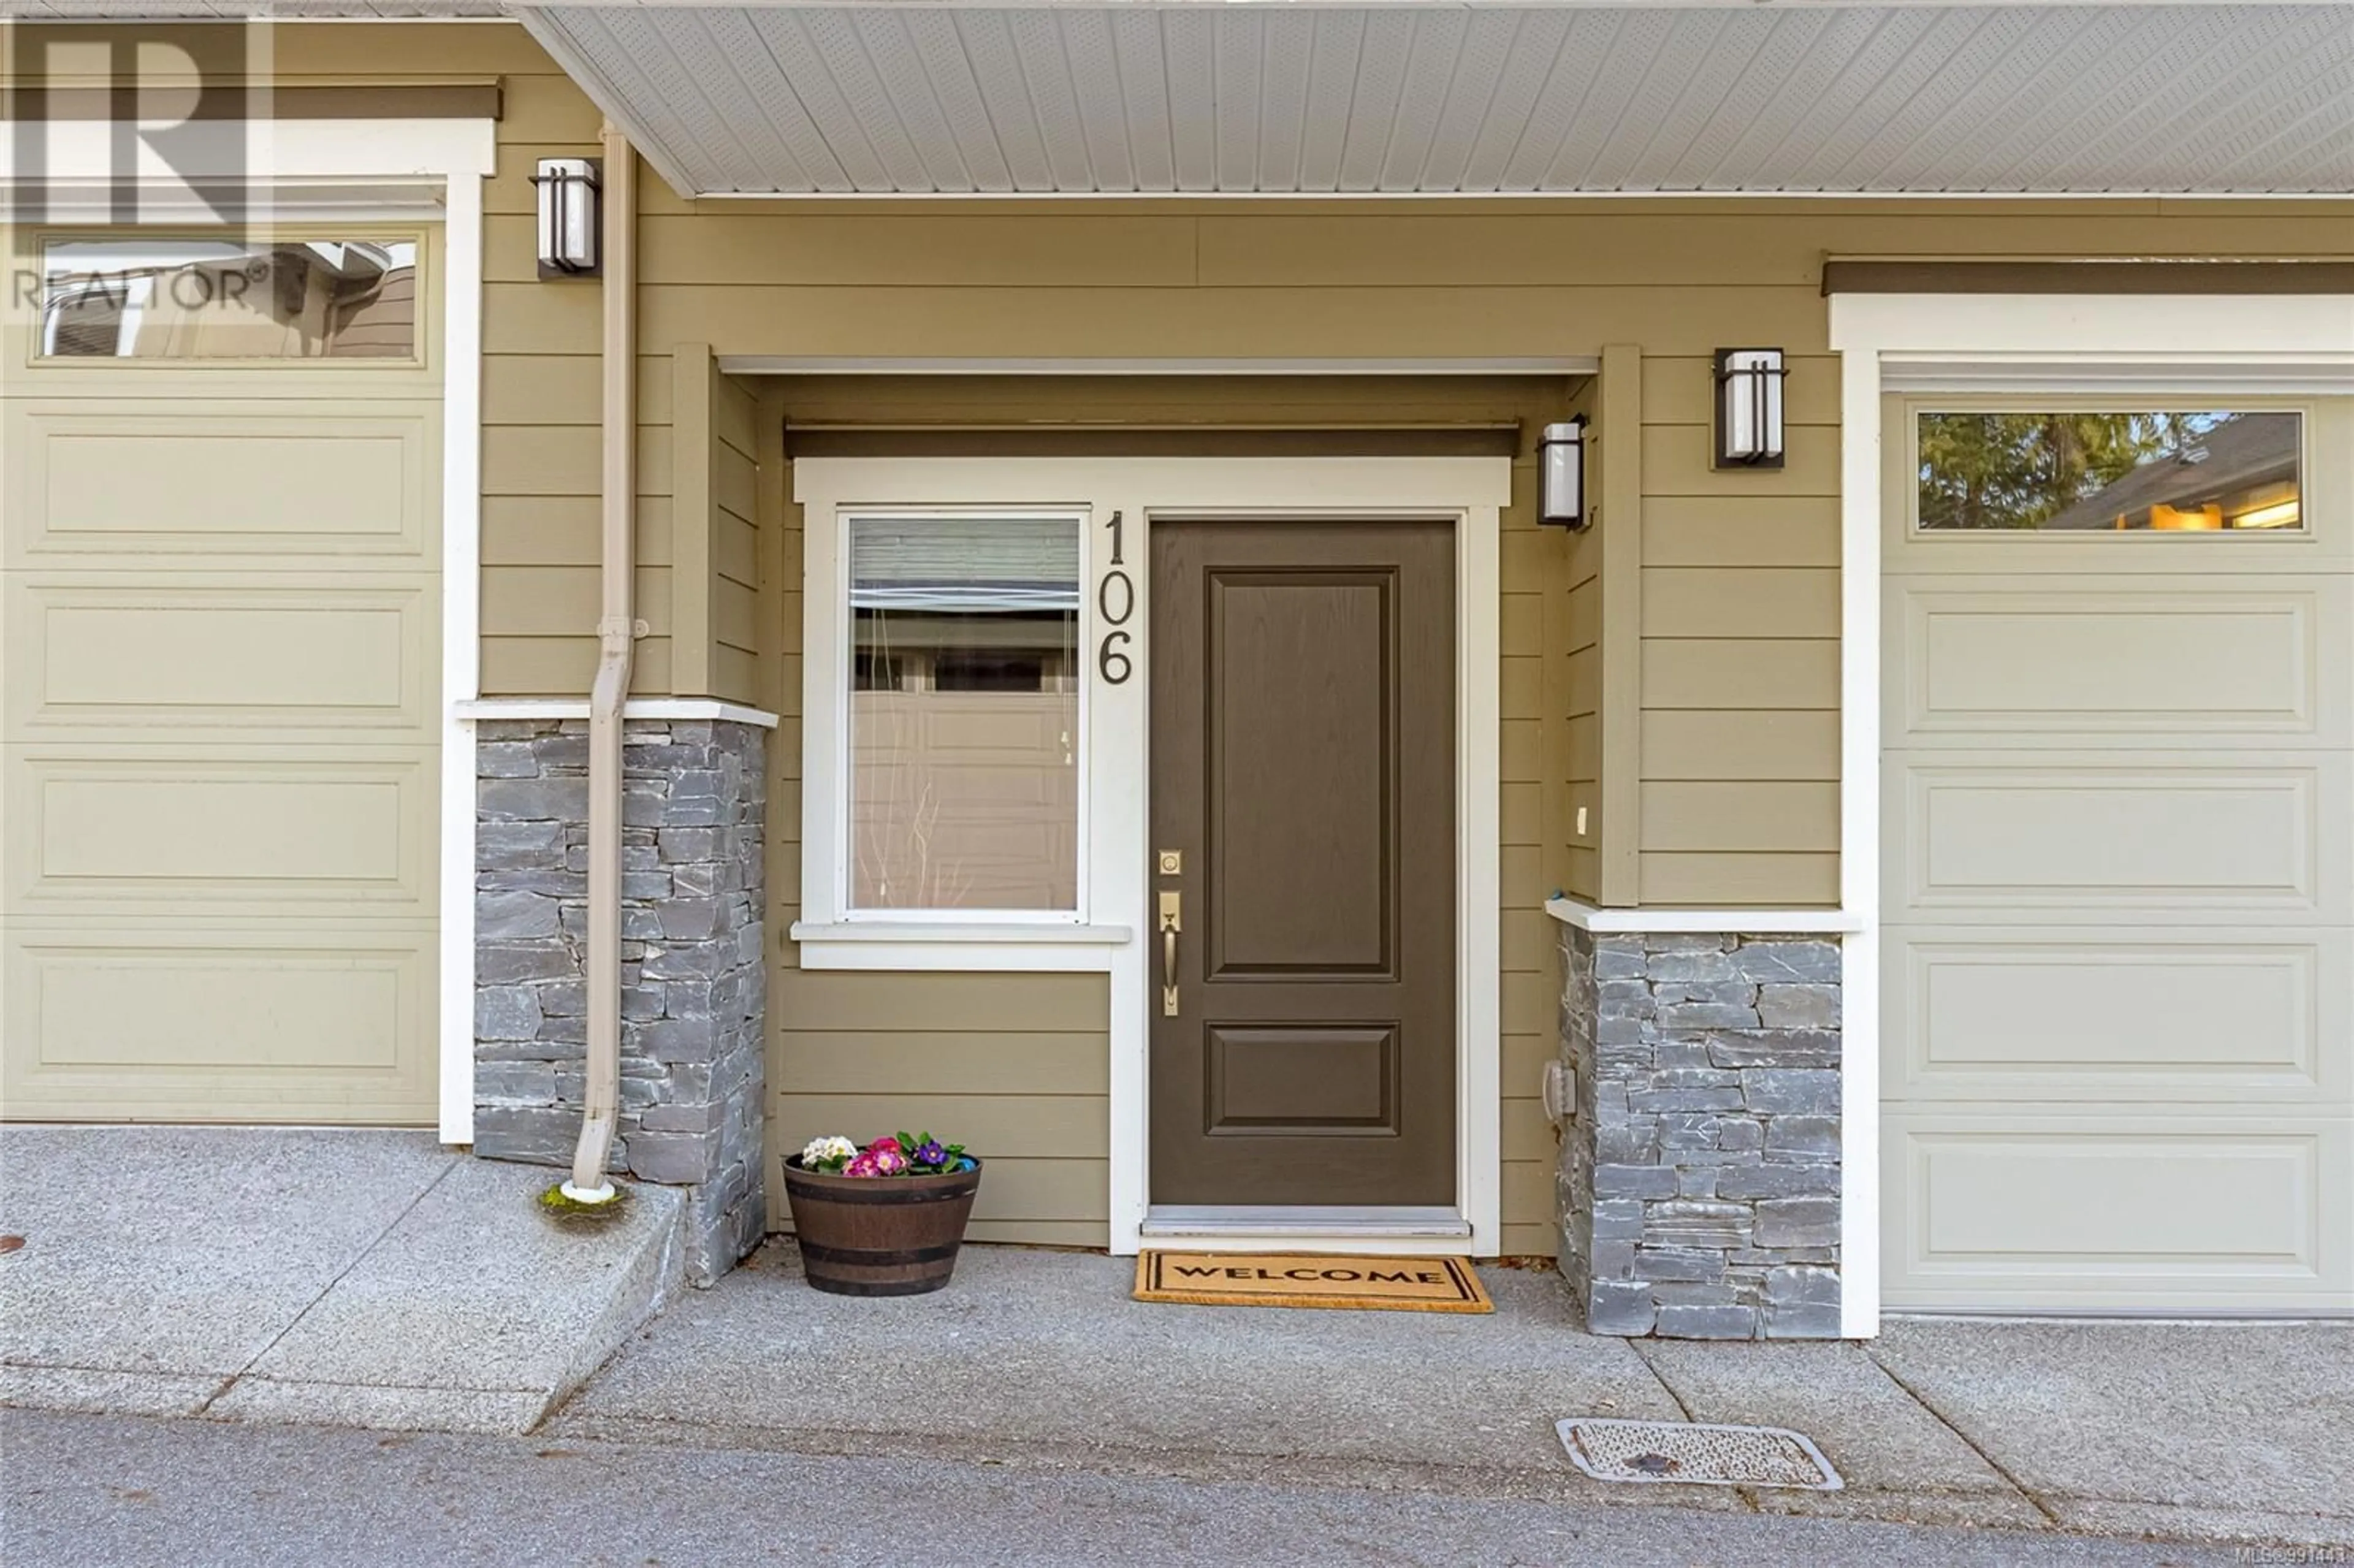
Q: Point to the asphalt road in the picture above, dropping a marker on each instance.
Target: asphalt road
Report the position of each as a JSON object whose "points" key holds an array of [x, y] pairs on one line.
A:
{"points": [[94, 1491]]}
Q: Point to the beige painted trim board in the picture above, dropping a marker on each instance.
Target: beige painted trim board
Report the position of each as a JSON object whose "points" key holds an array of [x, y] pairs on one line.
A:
{"points": [[690, 517], [1114, 728], [783, 365], [1620, 523]]}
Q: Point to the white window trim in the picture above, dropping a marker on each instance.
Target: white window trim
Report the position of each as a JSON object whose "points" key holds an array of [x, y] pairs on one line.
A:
{"points": [[377, 171], [2216, 344], [1469, 492]]}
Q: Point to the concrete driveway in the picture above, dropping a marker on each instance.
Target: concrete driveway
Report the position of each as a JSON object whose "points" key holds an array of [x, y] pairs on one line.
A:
{"points": [[2221, 1433]]}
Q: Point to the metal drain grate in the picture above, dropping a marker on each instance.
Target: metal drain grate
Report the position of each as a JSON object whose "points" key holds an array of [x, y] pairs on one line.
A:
{"points": [[1696, 1455]]}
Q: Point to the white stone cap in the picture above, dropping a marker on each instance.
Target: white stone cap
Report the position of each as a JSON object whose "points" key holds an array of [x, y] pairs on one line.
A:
{"points": [[1765, 922], [635, 708]]}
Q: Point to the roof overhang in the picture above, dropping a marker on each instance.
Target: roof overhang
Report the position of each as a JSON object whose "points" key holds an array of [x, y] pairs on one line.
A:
{"points": [[1330, 97]]}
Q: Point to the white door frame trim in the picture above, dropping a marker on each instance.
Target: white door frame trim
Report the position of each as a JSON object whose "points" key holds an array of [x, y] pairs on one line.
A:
{"points": [[1115, 721], [2098, 344]]}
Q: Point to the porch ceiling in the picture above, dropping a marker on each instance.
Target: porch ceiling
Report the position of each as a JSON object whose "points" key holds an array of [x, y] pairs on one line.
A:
{"points": [[1122, 99]]}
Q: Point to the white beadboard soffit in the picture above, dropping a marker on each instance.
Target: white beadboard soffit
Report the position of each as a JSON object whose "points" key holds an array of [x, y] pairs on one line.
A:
{"points": [[1411, 98]]}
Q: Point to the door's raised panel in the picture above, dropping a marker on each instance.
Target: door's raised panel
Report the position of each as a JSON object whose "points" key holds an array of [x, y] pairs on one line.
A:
{"points": [[2018, 1209], [2146, 835], [220, 834], [1288, 1082], [2077, 662], [223, 479], [2057, 1015], [159, 1022], [306, 657], [1303, 772]]}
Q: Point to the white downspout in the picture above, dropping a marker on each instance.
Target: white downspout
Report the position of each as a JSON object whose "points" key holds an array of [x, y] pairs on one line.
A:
{"points": [[617, 631]]}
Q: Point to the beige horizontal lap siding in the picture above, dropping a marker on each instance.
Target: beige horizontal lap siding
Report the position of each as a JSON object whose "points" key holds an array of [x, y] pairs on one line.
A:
{"points": [[715, 546], [1023, 1079], [1015, 1067], [541, 389], [1740, 623]]}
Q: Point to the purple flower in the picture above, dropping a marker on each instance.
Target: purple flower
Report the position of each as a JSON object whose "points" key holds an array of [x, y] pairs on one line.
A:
{"points": [[931, 1153]]}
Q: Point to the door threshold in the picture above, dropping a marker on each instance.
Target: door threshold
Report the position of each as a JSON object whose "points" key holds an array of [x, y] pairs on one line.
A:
{"points": [[1291, 1223]]}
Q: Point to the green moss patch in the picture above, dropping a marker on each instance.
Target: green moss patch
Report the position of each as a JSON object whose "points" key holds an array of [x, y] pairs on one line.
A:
{"points": [[571, 1213]]}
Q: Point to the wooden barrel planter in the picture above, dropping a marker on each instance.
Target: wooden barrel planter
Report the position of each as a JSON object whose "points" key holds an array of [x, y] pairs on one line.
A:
{"points": [[879, 1235]]}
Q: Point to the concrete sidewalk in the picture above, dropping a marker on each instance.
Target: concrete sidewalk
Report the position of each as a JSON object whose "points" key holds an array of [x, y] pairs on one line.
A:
{"points": [[346, 1277], [1038, 1360], [376, 1280]]}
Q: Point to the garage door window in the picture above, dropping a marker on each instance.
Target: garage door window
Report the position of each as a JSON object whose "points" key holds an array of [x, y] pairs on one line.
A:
{"points": [[2144, 472], [155, 298]]}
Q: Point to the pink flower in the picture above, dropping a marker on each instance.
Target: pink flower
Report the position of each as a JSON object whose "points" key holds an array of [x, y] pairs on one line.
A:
{"points": [[865, 1165], [889, 1162], [880, 1144]]}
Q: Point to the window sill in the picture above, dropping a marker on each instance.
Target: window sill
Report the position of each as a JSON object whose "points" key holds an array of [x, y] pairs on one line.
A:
{"points": [[974, 947]]}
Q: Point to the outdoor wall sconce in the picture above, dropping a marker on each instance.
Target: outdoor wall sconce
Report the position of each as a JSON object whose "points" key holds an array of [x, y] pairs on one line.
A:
{"points": [[1749, 408], [568, 216], [1561, 461]]}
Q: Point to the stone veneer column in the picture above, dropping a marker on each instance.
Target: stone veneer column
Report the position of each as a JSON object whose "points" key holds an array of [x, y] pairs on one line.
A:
{"points": [[1699, 1184], [693, 989]]}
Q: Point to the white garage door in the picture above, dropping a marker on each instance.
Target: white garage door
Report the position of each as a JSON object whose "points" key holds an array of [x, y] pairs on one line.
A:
{"points": [[220, 620], [2118, 857]]}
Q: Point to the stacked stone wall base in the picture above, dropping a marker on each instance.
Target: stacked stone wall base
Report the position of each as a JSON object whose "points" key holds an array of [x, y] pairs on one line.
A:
{"points": [[1699, 1182], [693, 985]]}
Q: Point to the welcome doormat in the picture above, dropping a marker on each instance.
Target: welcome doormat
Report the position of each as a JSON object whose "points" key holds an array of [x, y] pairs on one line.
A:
{"points": [[1312, 1279]]}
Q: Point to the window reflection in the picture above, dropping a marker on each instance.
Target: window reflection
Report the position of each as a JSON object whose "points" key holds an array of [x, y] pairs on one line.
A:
{"points": [[2087, 472], [964, 713], [207, 299]]}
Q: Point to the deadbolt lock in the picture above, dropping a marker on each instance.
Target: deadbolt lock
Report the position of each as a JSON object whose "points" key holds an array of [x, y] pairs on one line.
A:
{"points": [[1171, 861]]}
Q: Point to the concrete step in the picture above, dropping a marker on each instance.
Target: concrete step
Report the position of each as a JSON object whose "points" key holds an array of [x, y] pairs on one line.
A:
{"points": [[350, 1278]]}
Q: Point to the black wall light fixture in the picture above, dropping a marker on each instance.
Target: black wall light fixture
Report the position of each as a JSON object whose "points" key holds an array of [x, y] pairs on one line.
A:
{"points": [[1560, 465], [1749, 408]]}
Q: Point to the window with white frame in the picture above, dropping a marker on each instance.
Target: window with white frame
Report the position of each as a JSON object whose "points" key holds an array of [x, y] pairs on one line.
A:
{"points": [[962, 777]]}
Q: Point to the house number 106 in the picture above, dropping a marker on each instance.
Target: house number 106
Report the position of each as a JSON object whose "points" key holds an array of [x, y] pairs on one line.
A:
{"points": [[1115, 603]]}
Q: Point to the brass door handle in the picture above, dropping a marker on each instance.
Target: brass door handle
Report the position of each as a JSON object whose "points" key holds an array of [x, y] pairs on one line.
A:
{"points": [[1169, 922]]}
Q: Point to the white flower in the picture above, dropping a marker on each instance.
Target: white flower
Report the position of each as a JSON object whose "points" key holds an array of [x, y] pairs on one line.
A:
{"points": [[819, 1152]]}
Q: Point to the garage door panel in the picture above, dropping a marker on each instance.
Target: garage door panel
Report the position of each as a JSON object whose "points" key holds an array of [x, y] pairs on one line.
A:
{"points": [[2019, 1211], [244, 835], [220, 726], [2082, 660], [2144, 835], [2118, 871], [2055, 1014], [222, 478], [147, 1019], [303, 656]]}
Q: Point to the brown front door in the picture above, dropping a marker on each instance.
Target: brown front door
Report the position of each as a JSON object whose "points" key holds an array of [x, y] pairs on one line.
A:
{"points": [[1303, 769]]}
